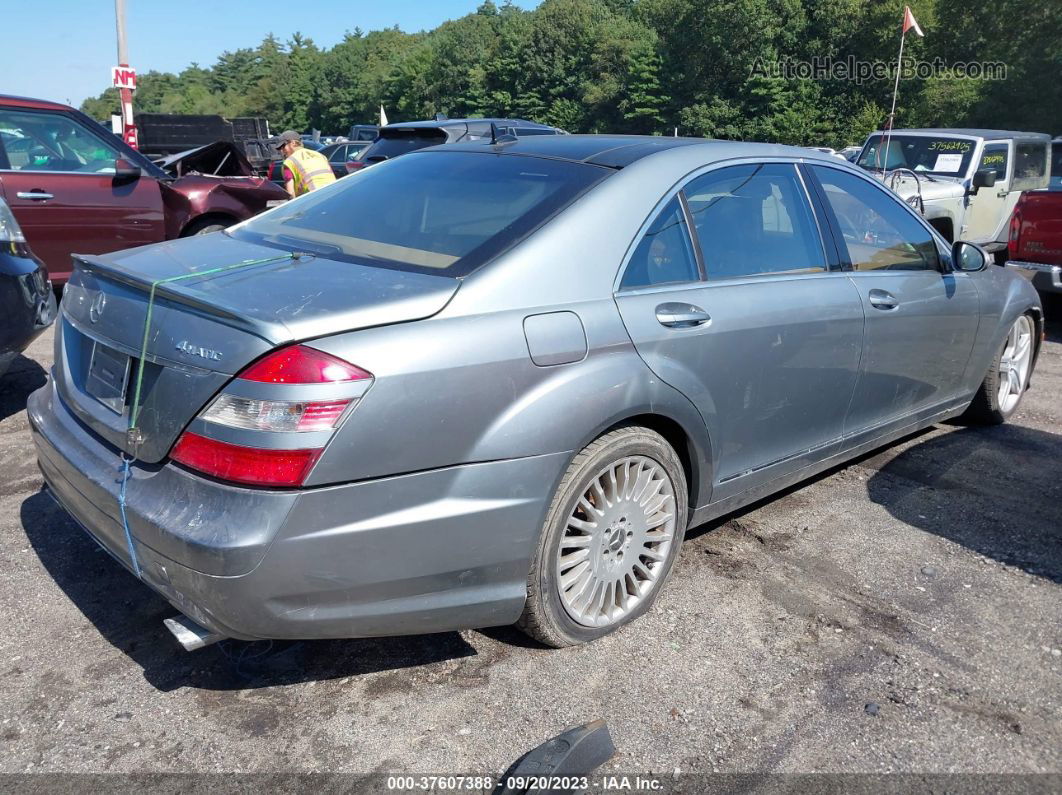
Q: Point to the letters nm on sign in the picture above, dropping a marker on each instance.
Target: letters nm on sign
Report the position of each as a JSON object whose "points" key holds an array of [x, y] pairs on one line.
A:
{"points": [[123, 77]]}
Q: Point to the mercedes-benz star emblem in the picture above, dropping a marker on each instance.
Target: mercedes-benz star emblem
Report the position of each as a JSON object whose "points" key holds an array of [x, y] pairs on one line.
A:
{"points": [[96, 307]]}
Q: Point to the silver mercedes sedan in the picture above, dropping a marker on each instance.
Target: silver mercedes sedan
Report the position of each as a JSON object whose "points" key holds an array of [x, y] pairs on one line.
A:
{"points": [[484, 385]]}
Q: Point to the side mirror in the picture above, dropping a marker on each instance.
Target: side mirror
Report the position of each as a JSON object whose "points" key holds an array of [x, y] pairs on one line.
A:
{"points": [[967, 257], [984, 179], [124, 171]]}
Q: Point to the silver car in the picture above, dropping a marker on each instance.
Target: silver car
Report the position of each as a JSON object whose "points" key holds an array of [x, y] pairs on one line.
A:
{"points": [[478, 386]]}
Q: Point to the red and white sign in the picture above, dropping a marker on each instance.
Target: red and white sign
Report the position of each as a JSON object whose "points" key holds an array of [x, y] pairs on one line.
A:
{"points": [[123, 77]]}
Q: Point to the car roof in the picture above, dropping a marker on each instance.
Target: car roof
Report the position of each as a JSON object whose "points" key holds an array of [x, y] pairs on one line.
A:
{"points": [[436, 123], [967, 131], [619, 151], [29, 102]]}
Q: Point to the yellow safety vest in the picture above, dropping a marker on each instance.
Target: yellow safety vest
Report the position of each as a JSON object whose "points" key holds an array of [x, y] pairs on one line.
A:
{"points": [[310, 170]]}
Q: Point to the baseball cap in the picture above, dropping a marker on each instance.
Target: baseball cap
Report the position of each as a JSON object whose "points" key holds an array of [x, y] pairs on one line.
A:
{"points": [[287, 135]]}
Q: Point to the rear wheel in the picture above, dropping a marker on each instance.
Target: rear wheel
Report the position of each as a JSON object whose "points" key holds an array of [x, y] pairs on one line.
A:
{"points": [[610, 540], [1007, 378]]}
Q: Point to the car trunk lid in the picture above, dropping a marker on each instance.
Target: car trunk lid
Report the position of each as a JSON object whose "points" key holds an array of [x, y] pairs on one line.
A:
{"points": [[206, 328]]}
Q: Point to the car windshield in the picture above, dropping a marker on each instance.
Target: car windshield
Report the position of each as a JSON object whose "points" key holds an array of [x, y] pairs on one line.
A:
{"points": [[948, 157], [437, 212]]}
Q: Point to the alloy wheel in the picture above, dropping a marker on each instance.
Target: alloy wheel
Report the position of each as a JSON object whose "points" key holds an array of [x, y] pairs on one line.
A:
{"points": [[1015, 363], [616, 541]]}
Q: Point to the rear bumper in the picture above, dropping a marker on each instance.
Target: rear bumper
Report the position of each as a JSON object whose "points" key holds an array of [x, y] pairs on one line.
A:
{"points": [[427, 552], [1045, 278]]}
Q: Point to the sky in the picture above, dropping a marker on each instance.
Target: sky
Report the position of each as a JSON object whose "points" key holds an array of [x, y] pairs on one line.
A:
{"points": [[66, 54]]}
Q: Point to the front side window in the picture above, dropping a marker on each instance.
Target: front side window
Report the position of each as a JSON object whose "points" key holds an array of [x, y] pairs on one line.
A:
{"points": [[665, 254], [444, 212], [754, 220], [53, 142], [878, 231], [995, 157]]}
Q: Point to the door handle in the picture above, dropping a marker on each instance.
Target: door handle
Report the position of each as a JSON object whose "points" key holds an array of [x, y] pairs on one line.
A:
{"points": [[35, 195], [676, 315], [1002, 194], [881, 299]]}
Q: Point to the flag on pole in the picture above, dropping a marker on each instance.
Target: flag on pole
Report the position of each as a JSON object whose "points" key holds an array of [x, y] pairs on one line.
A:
{"points": [[910, 23], [383, 116]]}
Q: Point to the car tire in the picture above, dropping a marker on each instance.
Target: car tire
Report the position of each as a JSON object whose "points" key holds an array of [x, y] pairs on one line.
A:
{"points": [[205, 227], [1011, 368], [637, 482]]}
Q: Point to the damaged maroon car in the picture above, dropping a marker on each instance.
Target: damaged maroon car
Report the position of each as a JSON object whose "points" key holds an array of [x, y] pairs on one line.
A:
{"points": [[76, 187]]}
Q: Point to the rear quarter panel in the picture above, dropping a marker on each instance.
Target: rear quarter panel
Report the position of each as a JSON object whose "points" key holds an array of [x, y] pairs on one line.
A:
{"points": [[454, 390]]}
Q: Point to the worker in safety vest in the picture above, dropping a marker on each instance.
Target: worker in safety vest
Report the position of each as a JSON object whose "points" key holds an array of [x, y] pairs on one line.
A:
{"points": [[304, 169]]}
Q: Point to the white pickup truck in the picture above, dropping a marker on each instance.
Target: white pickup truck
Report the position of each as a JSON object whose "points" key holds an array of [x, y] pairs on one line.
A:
{"points": [[965, 182]]}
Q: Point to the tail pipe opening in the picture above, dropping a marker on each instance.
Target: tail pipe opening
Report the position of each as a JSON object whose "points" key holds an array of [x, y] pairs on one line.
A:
{"points": [[189, 634]]}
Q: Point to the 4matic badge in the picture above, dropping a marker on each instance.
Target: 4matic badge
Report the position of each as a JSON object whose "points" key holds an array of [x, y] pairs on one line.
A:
{"points": [[184, 346]]}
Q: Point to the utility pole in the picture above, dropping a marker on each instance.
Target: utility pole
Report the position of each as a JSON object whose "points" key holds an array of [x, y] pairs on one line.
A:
{"points": [[128, 127]]}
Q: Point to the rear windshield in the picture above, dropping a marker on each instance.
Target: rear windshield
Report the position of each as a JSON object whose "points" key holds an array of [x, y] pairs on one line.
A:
{"points": [[436, 212], [393, 143]]}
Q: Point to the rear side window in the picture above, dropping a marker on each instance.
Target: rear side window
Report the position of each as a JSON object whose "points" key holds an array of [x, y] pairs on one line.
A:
{"points": [[878, 230], [754, 220], [665, 254], [1030, 166], [439, 212], [393, 143]]}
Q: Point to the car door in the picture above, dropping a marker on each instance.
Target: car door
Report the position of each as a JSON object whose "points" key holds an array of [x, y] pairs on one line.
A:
{"points": [[747, 319], [58, 176], [990, 208], [921, 317]]}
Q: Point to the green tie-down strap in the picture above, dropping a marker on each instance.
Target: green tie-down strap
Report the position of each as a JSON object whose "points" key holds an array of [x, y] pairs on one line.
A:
{"points": [[133, 434]]}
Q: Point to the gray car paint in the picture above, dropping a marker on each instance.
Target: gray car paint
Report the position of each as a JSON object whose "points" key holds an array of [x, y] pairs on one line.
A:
{"points": [[423, 511]]}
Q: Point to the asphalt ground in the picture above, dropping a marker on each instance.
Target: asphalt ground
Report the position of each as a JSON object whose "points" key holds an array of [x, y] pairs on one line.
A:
{"points": [[902, 613]]}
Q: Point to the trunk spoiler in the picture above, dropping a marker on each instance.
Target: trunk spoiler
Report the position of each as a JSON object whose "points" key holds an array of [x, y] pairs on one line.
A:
{"points": [[172, 289]]}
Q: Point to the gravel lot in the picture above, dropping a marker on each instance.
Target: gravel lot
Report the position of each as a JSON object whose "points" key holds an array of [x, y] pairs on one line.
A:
{"points": [[922, 583]]}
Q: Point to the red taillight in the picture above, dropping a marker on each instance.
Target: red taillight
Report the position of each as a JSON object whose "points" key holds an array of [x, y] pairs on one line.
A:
{"points": [[1015, 230], [301, 365], [284, 410], [355, 165], [250, 465]]}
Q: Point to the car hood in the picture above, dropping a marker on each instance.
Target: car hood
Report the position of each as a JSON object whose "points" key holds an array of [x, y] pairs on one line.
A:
{"points": [[937, 188], [220, 159]]}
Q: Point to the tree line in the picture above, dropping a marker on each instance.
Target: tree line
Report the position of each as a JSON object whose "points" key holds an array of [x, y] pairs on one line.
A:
{"points": [[647, 66]]}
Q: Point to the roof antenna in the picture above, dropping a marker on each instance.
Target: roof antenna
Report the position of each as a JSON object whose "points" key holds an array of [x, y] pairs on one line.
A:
{"points": [[498, 137]]}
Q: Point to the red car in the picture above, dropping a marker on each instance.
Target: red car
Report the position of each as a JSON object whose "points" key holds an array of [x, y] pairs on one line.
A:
{"points": [[1035, 246], [76, 187]]}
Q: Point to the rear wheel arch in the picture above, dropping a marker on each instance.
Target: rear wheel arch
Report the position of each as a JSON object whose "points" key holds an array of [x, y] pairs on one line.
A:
{"points": [[676, 436], [694, 455]]}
